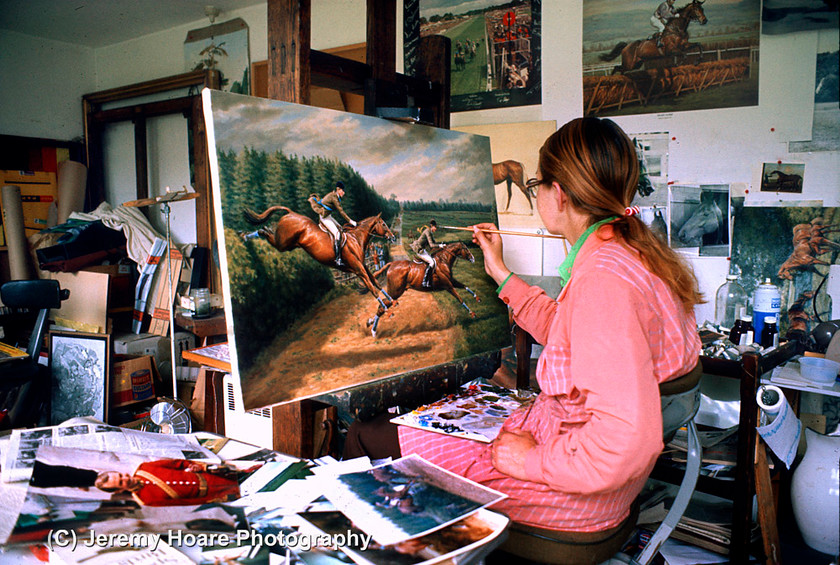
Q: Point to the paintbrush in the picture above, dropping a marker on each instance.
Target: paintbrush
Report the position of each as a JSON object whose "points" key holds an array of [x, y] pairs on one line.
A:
{"points": [[504, 232]]}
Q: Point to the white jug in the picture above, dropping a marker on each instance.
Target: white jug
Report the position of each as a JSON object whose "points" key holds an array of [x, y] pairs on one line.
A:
{"points": [[815, 493]]}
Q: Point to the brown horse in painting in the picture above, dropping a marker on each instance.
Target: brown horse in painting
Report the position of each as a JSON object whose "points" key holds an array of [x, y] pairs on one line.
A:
{"points": [[674, 41], [511, 172], [403, 275], [296, 230]]}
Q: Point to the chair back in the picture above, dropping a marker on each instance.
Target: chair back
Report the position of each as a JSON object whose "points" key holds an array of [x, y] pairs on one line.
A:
{"points": [[680, 401]]}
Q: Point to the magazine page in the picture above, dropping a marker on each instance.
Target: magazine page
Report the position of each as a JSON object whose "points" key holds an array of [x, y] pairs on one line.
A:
{"points": [[24, 444], [476, 412], [406, 498]]}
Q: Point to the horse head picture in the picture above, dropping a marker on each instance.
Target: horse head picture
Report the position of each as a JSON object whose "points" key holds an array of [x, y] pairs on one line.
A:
{"points": [[706, 219], [313, 233]]}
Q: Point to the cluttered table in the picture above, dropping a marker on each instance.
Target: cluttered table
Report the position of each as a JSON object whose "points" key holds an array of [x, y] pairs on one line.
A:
{"points": [[86, 492]]}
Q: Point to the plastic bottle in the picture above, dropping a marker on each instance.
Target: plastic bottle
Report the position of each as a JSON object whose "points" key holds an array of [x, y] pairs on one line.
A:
{"points": [[769, 333], [742, 332], [767, 301], [730, 302]]}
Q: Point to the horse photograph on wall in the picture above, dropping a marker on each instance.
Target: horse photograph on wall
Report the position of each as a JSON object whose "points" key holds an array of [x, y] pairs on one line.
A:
{"points": [[323, 221], [700, 219], [782, 177], [669, 55]]}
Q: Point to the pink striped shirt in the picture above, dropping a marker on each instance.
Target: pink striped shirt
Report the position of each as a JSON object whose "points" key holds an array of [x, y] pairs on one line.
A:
{"points": [[615, 332]]}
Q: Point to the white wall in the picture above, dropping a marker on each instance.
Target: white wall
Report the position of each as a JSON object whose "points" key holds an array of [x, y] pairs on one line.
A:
{"points": [[710, 146], [41, 86]]}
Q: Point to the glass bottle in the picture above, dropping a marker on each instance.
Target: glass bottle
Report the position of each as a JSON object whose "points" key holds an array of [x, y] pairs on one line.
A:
{"points": [[769, 333], [730, 302], [742, 332], [201, 302]]}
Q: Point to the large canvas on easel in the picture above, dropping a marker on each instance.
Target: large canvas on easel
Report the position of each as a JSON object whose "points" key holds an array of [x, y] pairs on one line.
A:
{"points": [[299, 327]]}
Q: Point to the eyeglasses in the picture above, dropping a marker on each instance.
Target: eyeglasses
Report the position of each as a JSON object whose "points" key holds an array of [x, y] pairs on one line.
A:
{"points": [[532, 185]]}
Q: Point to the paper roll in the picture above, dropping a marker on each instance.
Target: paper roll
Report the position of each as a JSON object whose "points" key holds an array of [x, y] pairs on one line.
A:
{"points": [[782, 432], [15, 233], [72, 183], [769, 399]]}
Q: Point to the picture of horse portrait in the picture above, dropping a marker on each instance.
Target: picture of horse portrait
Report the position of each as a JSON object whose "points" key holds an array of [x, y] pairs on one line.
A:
{"points": [[515, 149], [700, 219], [338, 267], [782, 177], [495, 50], [669, 55]]}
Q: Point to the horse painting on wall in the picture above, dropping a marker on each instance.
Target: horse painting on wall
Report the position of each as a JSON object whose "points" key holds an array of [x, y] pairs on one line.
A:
{"points": [[311, 310], [704, 55]]}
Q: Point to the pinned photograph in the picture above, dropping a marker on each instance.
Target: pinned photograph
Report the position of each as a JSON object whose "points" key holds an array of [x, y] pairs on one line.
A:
{"points": [[782, 177]]}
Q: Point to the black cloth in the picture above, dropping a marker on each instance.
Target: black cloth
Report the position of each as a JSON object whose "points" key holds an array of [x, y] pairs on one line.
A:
{"points": [[46, 476]]}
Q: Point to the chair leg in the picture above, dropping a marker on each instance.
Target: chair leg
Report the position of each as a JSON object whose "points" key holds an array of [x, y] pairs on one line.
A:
{"points": [[692, 471]]}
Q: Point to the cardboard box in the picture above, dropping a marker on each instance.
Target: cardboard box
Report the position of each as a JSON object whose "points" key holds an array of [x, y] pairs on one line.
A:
{"points": [[150, 344], [120, 284], [38, 191], [132, 380]]}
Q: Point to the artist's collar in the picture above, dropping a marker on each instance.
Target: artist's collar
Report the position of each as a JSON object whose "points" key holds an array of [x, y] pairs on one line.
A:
{"points": [[565, 268]]}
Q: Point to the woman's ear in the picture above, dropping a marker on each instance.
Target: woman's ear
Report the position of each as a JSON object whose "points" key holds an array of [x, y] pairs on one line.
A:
{"points": [[559, 195]]}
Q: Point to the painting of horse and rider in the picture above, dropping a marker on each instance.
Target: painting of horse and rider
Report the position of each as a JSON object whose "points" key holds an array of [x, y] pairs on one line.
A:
{"points": [[337, 268], [667, 55]]}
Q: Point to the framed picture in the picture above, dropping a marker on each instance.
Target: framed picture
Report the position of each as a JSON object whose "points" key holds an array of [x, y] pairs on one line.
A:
{"points": [[79, 367]]}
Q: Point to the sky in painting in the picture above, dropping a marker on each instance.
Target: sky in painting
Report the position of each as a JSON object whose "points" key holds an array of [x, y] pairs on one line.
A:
{"points": [[429, 8], [405, 160]]}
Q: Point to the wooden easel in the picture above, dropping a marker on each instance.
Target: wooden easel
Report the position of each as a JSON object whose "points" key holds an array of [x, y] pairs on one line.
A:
{"points": [[293, 67]]}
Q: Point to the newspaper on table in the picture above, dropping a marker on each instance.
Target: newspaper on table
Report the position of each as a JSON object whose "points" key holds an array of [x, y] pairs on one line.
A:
{"points": [[476, 412], [80, 433]]}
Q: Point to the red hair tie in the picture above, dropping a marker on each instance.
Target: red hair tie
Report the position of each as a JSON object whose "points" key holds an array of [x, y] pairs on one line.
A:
{"points": [[632, 211]]}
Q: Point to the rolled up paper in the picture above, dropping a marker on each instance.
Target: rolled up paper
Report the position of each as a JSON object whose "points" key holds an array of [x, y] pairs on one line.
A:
{"points": [[72, 183], [782, 432], [15, 234]]}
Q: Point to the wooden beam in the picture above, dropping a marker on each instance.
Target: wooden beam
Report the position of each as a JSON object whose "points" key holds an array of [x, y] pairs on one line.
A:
{"points": [[382, 38], [207, 78], [201, 173], [147, 110], [141, 161], [288, 50]]}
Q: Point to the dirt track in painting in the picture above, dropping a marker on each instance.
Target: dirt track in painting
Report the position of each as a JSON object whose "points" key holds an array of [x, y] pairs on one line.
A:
{"points": [[327, 351]]}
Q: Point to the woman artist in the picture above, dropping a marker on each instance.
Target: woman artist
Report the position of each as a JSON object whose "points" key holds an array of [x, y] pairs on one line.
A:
{"points": [[576, 459]]}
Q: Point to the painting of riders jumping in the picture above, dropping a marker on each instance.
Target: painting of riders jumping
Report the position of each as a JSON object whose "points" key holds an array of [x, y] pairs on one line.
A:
{"points": [[663, 56], [337, 260]]}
